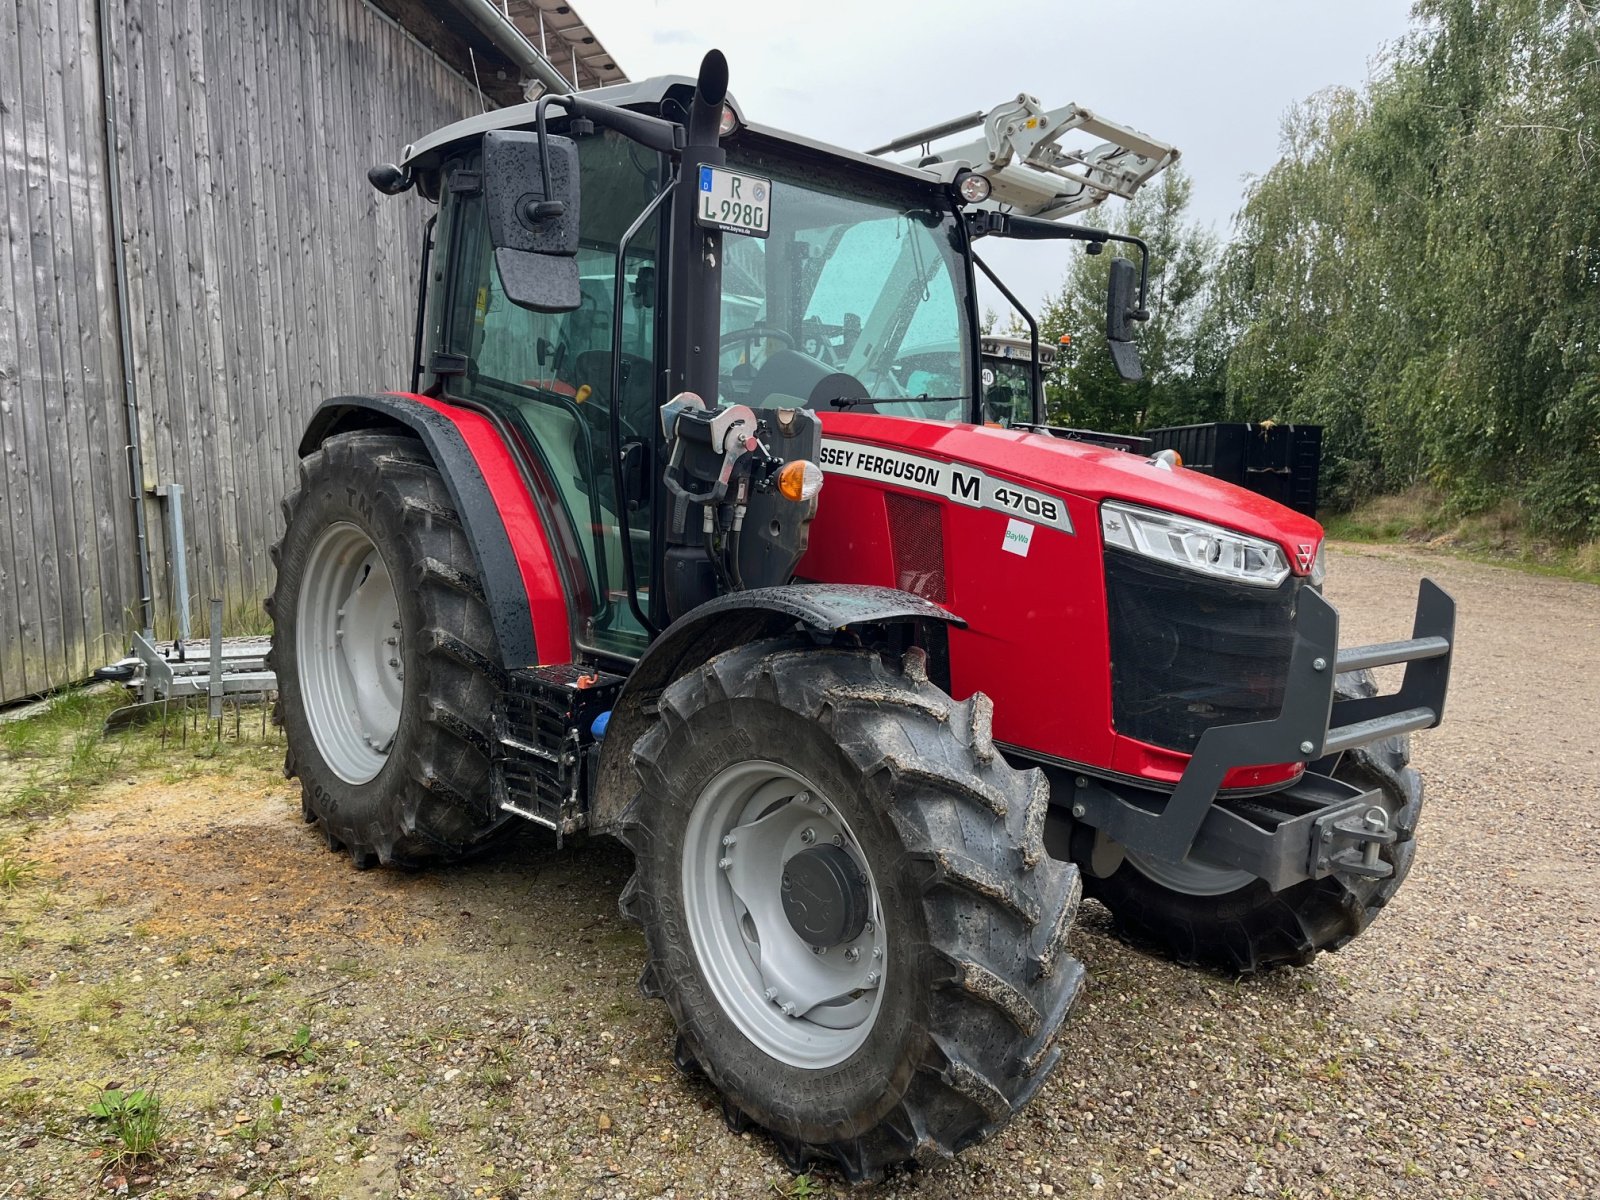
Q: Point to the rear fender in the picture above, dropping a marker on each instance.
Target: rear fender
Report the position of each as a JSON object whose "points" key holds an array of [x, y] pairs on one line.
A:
{"points": [[515, 563], [826, 611]]}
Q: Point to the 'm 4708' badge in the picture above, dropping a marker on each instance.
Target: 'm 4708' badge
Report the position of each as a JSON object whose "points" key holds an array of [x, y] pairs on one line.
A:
{"points": [[956, 482], [734, 202]]}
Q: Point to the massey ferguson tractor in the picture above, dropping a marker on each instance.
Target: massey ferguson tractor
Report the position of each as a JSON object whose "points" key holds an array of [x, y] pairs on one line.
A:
{"points": [[690, 530]]}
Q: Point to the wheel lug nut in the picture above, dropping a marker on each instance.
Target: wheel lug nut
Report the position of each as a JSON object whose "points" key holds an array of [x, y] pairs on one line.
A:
{"points": [[818, 950], [872, 978], [787, 882], [808, 835], [838, 840], [869, 927], [772, 993], [725, 863], [728, 839], [852, 954], [787, 1009], [877, 952]]}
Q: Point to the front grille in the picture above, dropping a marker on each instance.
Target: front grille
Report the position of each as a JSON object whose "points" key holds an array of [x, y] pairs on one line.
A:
{"points": [[1189, 651], [916, 532]]}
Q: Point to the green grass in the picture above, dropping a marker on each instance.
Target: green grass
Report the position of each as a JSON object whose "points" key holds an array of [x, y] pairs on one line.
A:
{"points": [[50, 759], [1499, 535], [135, 1125], [15, 873]]}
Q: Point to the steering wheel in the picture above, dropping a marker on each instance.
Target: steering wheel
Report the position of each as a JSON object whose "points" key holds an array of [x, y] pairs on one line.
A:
{"points": [[594, 368], [750, 333], [728, 383]]}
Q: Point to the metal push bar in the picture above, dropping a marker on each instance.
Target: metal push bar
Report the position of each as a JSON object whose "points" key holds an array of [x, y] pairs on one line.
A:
{"points": [[1318, 825]]}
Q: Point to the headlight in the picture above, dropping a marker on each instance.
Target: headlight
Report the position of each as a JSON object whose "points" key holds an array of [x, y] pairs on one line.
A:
{"points": [[1319, 568], [1195, 545]]}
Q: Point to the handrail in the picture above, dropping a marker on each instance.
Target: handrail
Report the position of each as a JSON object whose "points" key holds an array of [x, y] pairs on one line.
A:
{"points": [[623, 525]]}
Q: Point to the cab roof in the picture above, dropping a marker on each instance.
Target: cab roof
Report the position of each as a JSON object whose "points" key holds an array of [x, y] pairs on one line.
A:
{"points": [[647, 95]]}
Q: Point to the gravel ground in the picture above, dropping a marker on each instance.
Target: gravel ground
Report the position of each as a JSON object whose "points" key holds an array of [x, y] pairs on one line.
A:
{"points": [[476, 1032]]}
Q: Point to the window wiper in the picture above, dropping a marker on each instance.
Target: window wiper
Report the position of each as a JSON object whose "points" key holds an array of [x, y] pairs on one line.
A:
{"points": [[852, 401]]}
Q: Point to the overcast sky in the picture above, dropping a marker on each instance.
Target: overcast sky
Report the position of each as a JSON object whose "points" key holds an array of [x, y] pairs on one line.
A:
{"points": [[1212, 77]]}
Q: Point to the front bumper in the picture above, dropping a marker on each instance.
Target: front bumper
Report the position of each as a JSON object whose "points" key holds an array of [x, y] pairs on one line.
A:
{"points": [[1317, 826]]}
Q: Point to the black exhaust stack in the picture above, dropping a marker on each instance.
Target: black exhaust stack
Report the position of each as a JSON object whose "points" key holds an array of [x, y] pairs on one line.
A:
{"points": [[697, 265]]}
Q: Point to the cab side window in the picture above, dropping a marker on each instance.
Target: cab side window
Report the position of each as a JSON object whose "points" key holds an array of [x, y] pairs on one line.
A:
{"points": [[552, 372]]}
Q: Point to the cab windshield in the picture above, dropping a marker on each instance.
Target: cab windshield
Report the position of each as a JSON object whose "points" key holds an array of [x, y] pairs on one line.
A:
{"points": [[857, 299]]}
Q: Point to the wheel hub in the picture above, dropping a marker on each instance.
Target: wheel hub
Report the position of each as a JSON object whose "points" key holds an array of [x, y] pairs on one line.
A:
{"points": [[825, 896], [799, 969], [349, 653]]}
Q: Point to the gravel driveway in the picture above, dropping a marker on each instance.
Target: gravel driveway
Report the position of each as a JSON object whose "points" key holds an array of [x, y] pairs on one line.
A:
{"points": [[476, 1032]]}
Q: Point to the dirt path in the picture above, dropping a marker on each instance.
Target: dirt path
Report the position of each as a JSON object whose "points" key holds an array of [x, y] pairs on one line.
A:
{"points": [[476, 1032]]}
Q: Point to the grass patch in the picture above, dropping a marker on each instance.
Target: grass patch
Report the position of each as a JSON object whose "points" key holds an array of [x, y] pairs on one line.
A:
{"points": [[1499, 535], [15, 873], [135, 1126], [52, 757]]}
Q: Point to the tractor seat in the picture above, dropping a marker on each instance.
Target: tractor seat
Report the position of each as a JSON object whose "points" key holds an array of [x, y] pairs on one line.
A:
{"points": [[791, 373]]}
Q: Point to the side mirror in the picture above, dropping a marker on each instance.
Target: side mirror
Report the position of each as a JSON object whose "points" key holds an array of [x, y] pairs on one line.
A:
{"points": [[530, 189], [1122, 310]]}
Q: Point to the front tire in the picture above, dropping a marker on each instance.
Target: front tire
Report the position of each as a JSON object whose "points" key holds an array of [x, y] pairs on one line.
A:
{"points": [[1202, 915], [777, 760], [385, 656]]}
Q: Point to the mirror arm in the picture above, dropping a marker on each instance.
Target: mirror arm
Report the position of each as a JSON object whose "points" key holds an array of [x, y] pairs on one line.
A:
{"points": [[985, 223], [653, 133]]}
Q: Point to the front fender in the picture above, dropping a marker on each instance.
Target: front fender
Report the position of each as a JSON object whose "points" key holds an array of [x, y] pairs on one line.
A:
{"points": [[826, 610]]}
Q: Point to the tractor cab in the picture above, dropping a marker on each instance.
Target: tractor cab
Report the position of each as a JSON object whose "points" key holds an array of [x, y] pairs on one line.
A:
{"points": [[758, 270]]}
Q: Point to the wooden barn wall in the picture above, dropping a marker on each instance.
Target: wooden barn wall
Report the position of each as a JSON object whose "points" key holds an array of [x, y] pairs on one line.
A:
{"points": [[264, 274]]}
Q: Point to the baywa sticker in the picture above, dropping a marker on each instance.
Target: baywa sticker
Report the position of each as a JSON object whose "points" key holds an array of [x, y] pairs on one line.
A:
{"points": [[951, 481]]}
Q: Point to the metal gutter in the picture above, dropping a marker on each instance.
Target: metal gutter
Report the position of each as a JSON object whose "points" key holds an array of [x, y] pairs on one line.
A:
{"points": [[130, 393], [498, 28]]}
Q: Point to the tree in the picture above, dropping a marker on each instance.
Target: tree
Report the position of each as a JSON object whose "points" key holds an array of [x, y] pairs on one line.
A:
{"points": [[1420, 270], [1182, 372]]}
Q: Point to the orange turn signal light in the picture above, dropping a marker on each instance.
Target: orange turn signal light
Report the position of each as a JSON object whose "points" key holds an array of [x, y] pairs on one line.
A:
{"points": [[583, 394], [1168, 458], [800, 479]]}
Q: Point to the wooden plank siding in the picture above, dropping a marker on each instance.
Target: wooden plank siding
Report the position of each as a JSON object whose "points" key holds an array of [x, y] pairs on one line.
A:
{"points": [[264, 274]]}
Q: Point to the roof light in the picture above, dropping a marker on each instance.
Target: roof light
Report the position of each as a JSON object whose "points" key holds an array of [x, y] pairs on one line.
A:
{"points": [[974, 188], [1167, 460], [800, 479], [729, 122]]}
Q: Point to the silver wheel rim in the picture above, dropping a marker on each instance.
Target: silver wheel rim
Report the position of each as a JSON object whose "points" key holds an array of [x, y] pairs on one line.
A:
{"points": [[348, 652], [1192, 877], [805, 1006]]}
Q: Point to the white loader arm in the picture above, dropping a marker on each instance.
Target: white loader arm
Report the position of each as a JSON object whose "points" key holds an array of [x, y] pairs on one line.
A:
{"points": [[1028, 170]]}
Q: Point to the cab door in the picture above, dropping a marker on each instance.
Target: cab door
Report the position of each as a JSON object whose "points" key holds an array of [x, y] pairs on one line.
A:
{"points": [[548, 376]]}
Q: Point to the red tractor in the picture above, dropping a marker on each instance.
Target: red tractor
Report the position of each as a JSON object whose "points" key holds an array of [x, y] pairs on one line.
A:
{"points": [[863, 739]]}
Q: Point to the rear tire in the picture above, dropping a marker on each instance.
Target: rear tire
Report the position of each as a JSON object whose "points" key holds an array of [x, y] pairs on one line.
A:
{"points": [[1250, 928], [390, 741], [958, 1029]]}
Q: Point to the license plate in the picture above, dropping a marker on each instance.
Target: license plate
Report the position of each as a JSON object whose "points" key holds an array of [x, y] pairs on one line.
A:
{"points": [[734, 202]]}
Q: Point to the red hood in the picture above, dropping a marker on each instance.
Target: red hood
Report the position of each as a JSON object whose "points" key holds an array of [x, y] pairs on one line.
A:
{"points": [[1096, 474]]}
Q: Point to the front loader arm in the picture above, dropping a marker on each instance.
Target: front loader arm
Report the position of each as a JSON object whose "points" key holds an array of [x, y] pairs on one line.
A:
{"points": [[1030, 171]]}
